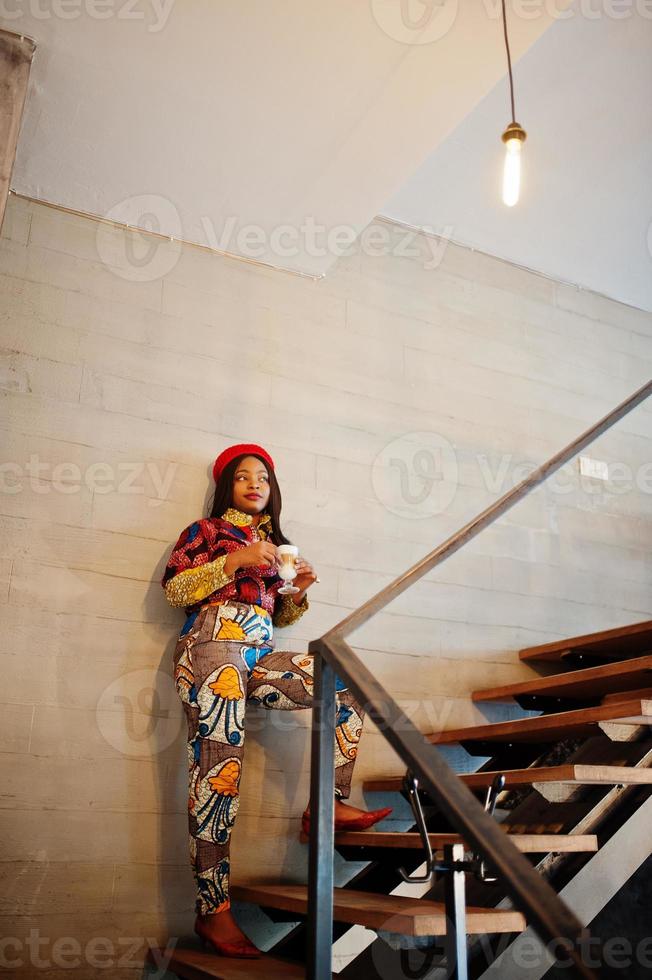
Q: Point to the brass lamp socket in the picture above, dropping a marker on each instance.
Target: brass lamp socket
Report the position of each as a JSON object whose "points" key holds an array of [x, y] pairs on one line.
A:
{"points": [[514, 132]]}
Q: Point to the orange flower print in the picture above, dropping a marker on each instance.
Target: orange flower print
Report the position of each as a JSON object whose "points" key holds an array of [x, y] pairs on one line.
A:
{"points": [[218, 801], [227, 684], [230, 630], [227, 779], [221, 700]]}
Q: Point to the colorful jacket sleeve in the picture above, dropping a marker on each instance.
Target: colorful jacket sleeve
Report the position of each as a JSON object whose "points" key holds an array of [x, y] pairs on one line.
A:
{"points": [[286, 611], [189, 576]]}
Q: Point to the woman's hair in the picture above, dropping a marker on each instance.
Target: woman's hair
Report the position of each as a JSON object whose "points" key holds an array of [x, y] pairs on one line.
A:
{"points": [[223, 498]]}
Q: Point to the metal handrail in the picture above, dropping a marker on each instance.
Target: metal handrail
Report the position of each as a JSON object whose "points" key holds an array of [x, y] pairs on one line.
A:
{"points": [[531, 893]]}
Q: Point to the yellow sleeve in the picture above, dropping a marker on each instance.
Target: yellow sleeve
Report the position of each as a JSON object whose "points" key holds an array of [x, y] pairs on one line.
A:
{"points": [[287, 611], [194, 584]]}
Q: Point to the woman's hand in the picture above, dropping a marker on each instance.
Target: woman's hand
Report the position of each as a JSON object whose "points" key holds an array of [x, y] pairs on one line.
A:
{"points": [[306, 575], [258, 553]]}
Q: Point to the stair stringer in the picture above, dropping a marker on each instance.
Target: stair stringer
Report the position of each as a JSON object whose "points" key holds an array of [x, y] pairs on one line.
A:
{"points": [[586, 894]]}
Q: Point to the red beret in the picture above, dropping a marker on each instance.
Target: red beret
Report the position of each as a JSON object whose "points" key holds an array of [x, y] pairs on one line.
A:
{"points": [[241, 449]]}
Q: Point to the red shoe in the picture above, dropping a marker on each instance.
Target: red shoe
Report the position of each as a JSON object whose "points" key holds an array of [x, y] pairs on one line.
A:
{"points": [[242, 949], [355, 823]]}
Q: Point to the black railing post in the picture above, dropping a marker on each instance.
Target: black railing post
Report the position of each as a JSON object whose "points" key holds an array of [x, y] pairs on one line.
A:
{"points": [[322, 803], [455, 896]]}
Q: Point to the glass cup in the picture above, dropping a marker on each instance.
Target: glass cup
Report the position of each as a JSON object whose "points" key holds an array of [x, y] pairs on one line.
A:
{"points": [[287, 567]]}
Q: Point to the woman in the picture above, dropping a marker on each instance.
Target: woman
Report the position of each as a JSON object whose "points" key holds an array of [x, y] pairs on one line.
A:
{"points": [[223, 571]]}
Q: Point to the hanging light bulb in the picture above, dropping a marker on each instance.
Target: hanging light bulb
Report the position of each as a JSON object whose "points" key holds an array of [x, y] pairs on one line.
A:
{"points": [[513, 137]]}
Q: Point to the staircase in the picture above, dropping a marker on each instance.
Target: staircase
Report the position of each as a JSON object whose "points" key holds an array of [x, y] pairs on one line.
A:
{"points": [[559, 815], [565, 784]]}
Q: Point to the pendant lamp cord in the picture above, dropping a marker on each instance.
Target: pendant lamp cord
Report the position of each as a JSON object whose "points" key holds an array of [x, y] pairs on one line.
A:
{"points": [[509, 62]]}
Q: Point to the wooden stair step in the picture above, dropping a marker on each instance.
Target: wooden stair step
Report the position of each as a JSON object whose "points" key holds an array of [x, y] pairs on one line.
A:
{"points": [[527, 843], [590, 682], [195, 963], [395, 913], [582, 775], [644, 693], [552, 727], [615, 644]]}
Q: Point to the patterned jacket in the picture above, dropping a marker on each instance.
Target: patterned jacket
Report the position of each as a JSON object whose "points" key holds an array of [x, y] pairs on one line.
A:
{"points": [[194, 574]]}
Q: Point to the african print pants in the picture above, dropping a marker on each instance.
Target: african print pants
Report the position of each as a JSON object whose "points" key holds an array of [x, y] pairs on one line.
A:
{"points": [[223, 660]]}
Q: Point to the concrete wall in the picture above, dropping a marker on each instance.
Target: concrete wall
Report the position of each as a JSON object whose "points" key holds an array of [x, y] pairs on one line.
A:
{"points": [[398, 396]]}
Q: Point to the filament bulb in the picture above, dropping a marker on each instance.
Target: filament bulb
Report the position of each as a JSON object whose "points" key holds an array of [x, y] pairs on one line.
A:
{"points": [[513, 138]]}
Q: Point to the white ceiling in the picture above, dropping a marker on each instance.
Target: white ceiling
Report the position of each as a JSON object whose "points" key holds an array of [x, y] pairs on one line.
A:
{"points": [[584, 95], [268, 113], [215, 115]]}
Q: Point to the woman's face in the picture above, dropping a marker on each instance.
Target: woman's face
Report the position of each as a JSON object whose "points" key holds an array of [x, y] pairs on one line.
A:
{"points": [[251, 486]]}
